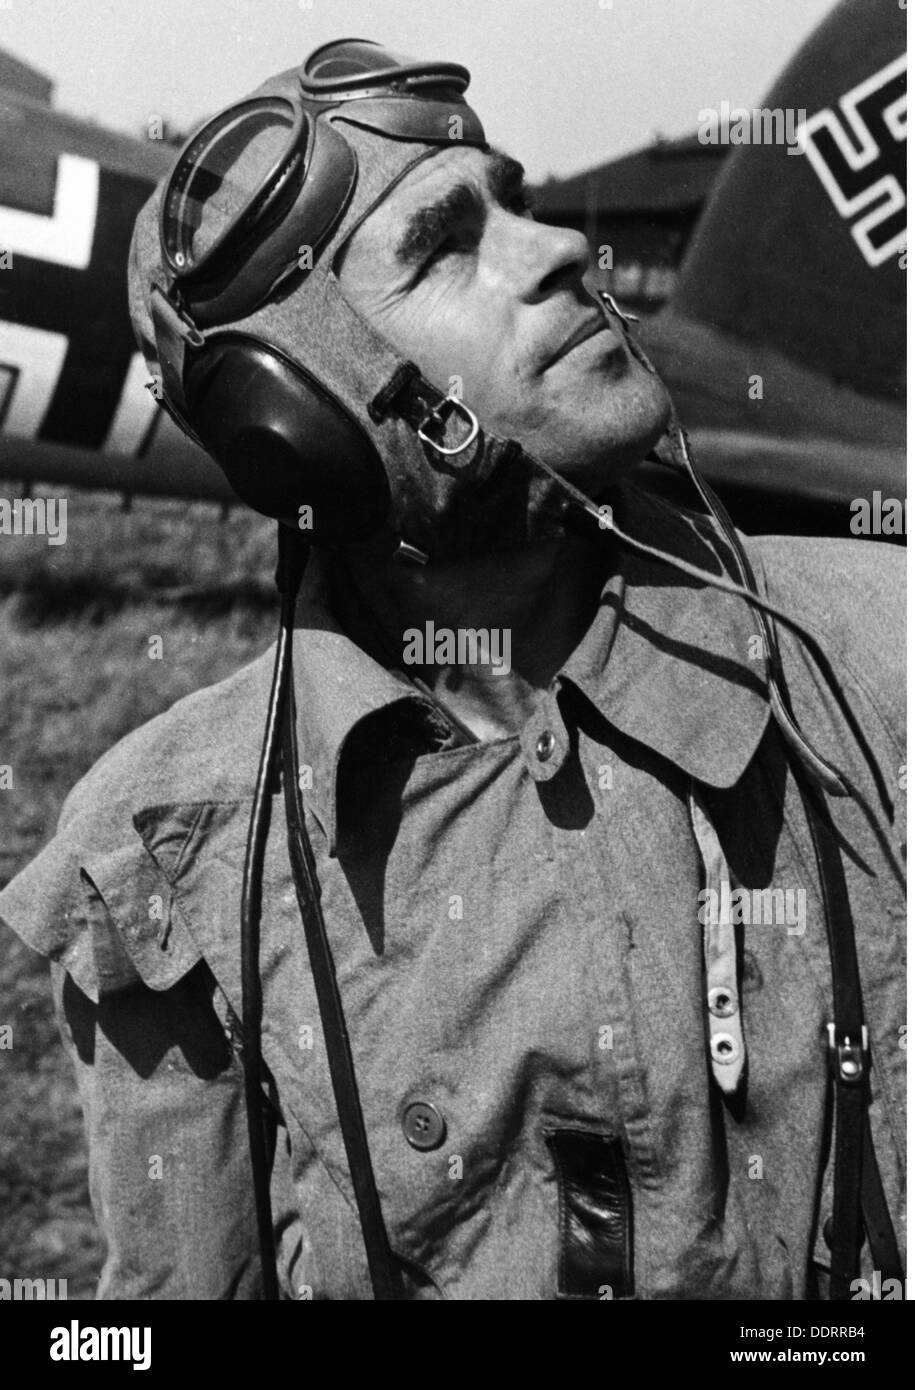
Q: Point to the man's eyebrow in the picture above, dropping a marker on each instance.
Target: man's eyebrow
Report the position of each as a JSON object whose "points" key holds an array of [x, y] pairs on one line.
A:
{"points": [[427, 225], [505, 176]]}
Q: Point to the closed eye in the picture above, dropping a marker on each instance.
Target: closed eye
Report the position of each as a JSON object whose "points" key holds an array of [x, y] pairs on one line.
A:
{"points": [[466, 236], [454, 224], [460, 239], [429, 228]]}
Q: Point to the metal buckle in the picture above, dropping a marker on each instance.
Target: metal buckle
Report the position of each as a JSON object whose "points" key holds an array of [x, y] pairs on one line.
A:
{"points": [[176, 318], [850, 1059], [436, 414], [411, 553]]}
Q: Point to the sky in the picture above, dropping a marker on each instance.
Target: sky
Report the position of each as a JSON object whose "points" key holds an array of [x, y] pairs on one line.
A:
{"points": [[562, 84]]}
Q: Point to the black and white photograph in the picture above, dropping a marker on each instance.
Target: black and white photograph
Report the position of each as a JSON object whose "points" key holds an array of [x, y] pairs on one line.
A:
{"points": [[453, 664]]}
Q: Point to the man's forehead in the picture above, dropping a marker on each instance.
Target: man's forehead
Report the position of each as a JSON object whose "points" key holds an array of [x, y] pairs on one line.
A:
{"points": [[429, 180]]}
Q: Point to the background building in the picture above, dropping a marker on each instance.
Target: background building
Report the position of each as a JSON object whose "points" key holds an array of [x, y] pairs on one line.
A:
{"points": [[638, 214]]}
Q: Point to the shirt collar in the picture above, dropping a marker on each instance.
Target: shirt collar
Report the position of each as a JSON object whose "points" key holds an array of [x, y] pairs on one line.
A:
{"points": [[671, 662], [667, 661], [345, 698]]}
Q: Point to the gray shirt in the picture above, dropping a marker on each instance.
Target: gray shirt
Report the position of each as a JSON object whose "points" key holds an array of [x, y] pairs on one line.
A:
{"points": [[531, 936]]}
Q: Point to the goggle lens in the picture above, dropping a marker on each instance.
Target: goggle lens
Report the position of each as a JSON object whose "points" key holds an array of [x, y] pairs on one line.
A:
{"points": [[236, 162]]}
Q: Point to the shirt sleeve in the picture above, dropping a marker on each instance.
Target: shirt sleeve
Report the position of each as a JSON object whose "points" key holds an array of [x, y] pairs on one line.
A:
{"points": [[157, 1059], [169, 1172]]}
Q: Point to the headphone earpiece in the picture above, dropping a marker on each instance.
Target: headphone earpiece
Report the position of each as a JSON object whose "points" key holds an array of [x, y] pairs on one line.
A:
{"points": [[284, 443]]}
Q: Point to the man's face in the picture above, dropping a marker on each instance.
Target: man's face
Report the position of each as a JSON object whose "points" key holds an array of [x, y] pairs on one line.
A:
{"points": [[452, 269]]}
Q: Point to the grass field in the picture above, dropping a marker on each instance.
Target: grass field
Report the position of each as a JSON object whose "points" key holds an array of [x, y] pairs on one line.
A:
{"points": [[75, 676]]}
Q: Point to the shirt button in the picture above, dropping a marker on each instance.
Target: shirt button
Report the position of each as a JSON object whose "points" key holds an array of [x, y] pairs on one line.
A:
{"points": [[545, 745], [423, 1125]]}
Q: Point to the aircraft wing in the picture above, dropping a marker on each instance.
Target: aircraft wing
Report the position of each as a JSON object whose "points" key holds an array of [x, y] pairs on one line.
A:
{"points": [[73, 405]]}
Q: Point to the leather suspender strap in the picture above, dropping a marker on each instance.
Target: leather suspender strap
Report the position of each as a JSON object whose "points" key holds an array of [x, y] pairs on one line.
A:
{"points": [[880, 1234], [386, 1278], [857, 1185]]}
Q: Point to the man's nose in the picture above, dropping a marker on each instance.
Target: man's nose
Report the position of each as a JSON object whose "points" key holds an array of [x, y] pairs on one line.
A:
{"points": [[548, 258]]}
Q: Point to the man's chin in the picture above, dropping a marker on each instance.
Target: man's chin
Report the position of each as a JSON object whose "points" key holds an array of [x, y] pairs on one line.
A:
{"points": [[595, 476], [594, 448]]}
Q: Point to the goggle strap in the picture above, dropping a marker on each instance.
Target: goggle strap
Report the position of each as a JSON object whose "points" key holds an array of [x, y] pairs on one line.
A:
{"points": [[175, 334]]}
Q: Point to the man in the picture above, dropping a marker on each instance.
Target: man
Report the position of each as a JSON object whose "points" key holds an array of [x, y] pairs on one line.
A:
{"points": [[555, 1015]]}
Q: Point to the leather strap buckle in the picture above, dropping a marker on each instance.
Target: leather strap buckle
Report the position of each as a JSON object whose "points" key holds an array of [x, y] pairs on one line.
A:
{"points": [[176, 317], [175, 335], [437, 415], [850, 1058]]}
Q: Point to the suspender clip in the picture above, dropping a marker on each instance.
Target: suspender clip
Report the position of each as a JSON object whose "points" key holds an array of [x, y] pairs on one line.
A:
{"points": [[850, 1059]]}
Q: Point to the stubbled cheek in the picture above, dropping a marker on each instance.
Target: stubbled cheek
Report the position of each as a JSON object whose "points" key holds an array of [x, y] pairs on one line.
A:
{"points": [[518, 411]]}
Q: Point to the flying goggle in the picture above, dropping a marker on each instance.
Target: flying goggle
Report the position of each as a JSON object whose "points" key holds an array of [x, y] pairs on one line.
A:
{"points": [[271, 176]]}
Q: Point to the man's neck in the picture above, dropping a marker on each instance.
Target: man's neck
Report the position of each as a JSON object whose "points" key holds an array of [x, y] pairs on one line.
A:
{"points": [[535, 605]]}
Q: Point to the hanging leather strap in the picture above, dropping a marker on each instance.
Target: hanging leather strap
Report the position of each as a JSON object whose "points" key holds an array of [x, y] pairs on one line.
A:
{"points": [[880, 1234], [386, 1278], [857, 1186]]}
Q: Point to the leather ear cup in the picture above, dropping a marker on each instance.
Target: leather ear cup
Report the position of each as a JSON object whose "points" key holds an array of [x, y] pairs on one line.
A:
{"points": [[284, 443]]}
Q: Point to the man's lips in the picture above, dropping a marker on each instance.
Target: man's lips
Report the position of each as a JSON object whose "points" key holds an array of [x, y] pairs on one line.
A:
{"points": [[593, 324]]}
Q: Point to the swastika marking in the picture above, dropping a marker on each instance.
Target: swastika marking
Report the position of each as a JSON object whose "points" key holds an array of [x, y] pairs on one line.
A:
{"points": [[858, 154]]}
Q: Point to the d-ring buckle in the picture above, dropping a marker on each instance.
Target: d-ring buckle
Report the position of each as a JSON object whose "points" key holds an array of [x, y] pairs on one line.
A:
{"points": [[436, 414]]}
